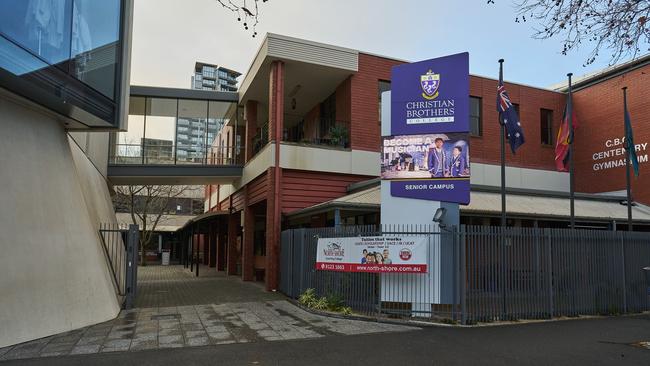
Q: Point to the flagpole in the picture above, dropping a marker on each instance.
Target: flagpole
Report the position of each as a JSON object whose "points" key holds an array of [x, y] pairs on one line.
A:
{"points": [[503, 157], [627, 165], [571, 153], [503, 202]]}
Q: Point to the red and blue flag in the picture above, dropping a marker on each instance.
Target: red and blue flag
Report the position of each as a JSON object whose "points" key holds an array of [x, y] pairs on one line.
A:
{"points": [[508, 117]]}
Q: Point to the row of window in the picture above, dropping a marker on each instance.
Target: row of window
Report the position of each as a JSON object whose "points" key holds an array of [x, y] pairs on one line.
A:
{"points": [[476, 120], [476, 115]]}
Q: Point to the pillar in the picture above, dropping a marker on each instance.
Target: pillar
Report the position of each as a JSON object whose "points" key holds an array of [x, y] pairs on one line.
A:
{"points": [[248, 259], [222, 244], [233, 225], [212, 242], [274, 175], [250, 117]]}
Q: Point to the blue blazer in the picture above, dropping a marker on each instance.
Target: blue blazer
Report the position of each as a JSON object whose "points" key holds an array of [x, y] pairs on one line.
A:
{"points": [[435, 162], [457, 166]]}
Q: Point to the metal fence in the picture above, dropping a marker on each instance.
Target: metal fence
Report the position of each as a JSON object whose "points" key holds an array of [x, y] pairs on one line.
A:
{"points": [[120, 244], [485, 273]]}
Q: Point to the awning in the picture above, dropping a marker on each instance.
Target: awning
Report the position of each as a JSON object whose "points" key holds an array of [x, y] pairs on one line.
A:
{"points": [[532, 204], [597, 209]]}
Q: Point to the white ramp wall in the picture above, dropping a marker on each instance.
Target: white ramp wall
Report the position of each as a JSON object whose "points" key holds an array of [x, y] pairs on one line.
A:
{"points": [[53, 272]]}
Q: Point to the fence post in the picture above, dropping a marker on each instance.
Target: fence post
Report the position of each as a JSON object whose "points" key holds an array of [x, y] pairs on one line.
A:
{"points": [[623, 234], [131, 266], [549, 271], [463, 277]]}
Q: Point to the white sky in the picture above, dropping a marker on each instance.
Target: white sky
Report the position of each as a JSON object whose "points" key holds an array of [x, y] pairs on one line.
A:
{"points": [[170, 35]]}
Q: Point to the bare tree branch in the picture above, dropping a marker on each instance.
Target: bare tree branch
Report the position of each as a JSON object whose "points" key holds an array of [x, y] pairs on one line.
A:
{"points": [[147, 205], [249, 15], [618, 26]]}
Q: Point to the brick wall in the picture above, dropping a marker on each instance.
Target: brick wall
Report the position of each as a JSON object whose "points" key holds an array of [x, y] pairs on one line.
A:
{"points": [[486, 148], [599, 110], [364, 106]]}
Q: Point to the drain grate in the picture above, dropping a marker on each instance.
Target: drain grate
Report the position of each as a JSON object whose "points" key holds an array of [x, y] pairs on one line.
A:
{"points": [[166, 317]]}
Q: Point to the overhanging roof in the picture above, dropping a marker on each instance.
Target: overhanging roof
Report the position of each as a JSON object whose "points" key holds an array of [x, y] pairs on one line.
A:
{"points": [[519, 203]]}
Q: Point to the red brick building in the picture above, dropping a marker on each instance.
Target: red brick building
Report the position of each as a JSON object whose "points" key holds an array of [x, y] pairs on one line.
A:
{"points": [[309, 133]]}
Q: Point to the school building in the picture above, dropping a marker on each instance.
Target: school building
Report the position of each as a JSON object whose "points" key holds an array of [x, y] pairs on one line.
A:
{"points": [[308, 137]]}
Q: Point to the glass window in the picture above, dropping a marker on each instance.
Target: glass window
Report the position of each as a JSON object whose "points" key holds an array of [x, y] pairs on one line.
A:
{"points": [[475, 117], [191, 145], [383, 87], [41, 27], [160, 131], [546, 126], [128, 148], [94, 45]]}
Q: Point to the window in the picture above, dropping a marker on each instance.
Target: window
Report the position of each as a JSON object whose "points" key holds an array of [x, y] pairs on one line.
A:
{"points": [[546, 126], [475, 118], [383, 87], [65, 55]]}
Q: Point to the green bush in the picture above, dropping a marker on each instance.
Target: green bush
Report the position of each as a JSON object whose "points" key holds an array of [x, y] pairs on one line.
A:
{"points": [[333, 303], [321, 304], [308, 298]]}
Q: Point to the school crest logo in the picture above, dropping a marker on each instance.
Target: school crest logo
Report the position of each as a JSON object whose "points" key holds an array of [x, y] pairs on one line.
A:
{"points": [[430, 83]]}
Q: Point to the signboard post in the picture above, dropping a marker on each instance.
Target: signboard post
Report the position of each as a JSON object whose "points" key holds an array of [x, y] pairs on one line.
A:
{"points": [[425, 165]]}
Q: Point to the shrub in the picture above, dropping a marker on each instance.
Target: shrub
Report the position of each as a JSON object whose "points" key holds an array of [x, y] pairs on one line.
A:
{"points": [[308, 298], [321, 304], [334, 302]]}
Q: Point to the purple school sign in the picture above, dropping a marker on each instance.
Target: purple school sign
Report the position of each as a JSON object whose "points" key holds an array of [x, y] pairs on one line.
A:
{"points": [[427, 155]]}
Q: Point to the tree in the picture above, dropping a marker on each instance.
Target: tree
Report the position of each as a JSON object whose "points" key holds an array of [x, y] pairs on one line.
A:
{"points": [[147, 205], [249, 15], [619, 26]]}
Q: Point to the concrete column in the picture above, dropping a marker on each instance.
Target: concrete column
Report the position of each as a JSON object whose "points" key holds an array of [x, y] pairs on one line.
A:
{"points": [[274, 200], [250, 118], [248, 259], [233, 226]]}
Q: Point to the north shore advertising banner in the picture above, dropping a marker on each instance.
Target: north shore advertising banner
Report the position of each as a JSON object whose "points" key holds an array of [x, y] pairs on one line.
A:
{"points": [[376, 254], [427, 154]]}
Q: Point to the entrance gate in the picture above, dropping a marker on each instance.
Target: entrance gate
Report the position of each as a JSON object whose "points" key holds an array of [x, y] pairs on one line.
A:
{"points": [[120, 244]]}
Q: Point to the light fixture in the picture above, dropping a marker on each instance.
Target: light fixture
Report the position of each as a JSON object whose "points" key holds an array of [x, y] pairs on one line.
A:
{"points": [[439, 215], [295, 90]]}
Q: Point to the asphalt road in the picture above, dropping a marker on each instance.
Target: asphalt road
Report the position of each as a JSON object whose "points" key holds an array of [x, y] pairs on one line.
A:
{"points": [[574, 342]]}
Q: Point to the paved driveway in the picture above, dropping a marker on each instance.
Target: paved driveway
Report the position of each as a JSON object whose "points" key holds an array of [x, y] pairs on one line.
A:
{"points": [[179, 310], [165, 286]]}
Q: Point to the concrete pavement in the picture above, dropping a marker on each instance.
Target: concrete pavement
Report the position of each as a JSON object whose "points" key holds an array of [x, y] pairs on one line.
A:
{"points": [[574, 342]]}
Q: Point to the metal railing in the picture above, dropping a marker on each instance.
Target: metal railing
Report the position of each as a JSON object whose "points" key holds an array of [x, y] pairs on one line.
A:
{"points": [[324, 132], [156, 154], [120, 243], [486, 273]]}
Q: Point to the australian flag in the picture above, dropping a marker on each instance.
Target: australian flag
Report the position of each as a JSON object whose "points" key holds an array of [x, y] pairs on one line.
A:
{"points": [[508, 117]]}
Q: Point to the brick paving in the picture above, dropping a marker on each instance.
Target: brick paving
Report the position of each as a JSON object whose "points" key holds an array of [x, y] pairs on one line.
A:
{"points": [[250, 315], [162, 286]]}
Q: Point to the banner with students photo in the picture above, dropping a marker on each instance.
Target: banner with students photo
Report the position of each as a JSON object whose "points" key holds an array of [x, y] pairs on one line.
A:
{"points": [[426, 155], [377, 254]]}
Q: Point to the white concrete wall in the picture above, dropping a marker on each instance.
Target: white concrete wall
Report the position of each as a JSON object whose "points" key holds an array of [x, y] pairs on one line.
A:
{"points": [[53, 272]]}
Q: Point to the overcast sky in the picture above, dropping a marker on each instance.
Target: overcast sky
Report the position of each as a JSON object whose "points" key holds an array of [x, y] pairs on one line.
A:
{"points": [[170, 35]]}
